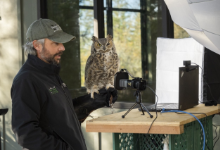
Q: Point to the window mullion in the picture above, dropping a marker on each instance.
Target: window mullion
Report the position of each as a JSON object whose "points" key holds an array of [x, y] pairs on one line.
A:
{"points": [[144, 39], [109, 17], [99, 28]]}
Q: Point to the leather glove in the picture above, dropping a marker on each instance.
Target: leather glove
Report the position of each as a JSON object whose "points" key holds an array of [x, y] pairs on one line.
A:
{"points": [[84, 105], [111, 95]]}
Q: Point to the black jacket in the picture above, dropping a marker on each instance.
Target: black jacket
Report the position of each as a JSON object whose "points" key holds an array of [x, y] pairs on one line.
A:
{"points": [[43, 116]]}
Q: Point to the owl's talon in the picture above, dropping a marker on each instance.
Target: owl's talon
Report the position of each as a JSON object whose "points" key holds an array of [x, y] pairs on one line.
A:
{"points": [[108, 86], [88, 91], [94, 90], [92, 95]]}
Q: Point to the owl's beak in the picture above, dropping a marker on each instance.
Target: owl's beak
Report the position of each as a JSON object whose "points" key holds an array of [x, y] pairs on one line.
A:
{"points": [[104, 48]]}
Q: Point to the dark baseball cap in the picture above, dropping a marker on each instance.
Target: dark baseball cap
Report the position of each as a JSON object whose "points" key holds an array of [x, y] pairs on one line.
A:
{"points": [[46, 28]]}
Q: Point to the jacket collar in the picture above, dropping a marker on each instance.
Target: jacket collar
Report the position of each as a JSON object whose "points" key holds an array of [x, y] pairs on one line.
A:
{"points": [[43, 66]]}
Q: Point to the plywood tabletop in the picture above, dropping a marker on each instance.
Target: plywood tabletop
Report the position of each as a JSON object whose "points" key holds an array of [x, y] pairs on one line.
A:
{"points": [[135, 122]]}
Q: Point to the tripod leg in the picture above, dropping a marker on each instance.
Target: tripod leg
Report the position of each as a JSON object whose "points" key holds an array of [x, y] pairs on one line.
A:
{"points": [[151, 116], [142, 109], [123, 116]]}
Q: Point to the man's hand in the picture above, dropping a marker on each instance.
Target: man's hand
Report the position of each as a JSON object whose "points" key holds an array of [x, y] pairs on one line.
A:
{"points": [[84, 105], [109, 96]]}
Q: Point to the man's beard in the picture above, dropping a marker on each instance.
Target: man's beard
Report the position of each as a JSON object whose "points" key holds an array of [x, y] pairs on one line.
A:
{"points": [[49, 57]]}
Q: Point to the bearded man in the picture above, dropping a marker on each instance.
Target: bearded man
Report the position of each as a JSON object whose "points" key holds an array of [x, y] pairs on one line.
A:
{"points": [[44, 116]]}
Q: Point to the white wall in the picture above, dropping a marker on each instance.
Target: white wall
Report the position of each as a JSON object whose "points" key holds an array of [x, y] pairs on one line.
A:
{"points": [[11, 54], [10, 60]]}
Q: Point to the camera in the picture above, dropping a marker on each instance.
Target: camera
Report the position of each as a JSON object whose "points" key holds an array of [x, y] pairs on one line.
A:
{"points": [[121, 81]]}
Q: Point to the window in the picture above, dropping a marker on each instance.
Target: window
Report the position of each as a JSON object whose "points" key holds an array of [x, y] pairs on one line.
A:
{"points": [[86, 32], [126, 31], [179, 32], [134, 24], [66, 14], [135, 27]]}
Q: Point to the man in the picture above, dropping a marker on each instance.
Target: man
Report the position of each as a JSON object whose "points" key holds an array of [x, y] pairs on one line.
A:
{"points": [[44, 116]]}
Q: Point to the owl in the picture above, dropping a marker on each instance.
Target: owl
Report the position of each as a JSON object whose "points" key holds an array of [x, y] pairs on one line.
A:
{"points": [[101, 65]]}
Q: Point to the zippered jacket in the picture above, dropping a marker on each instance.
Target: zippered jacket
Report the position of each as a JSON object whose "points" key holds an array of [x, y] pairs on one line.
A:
{"points": [[43, 115]]}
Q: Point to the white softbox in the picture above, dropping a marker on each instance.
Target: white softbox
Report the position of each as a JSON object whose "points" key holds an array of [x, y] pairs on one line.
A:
{"points": [[170, 56]]}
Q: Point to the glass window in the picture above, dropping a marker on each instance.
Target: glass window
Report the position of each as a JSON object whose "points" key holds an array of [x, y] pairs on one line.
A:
{"points": [[86, 2], [104, 3], [135, 33], [131, 4], [66, 14], [105, 23], [86, 33], [135, 25], [179, 32], [127, 39]]}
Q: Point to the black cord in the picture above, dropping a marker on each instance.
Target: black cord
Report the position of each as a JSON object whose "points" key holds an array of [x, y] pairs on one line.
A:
{"points": [[206, 83], [155, 109], [205, 123], [156, 114], [197, 65], [210, 91]]}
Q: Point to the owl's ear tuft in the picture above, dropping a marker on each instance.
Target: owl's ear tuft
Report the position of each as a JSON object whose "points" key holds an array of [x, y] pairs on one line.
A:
{"points": [[94, 38], [109, 37]]}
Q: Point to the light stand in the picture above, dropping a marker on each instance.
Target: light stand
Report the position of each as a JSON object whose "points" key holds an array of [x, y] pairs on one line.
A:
{"points": [[138, 101]]}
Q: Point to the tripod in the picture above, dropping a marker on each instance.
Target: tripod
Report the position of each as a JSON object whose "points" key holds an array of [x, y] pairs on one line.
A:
{"points": [[138, 101]]}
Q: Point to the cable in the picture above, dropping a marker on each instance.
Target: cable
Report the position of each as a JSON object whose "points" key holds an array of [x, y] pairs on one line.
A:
{"points": [[156, 113], [155, 109], [205, 122], [206, 83], [197, 65], [214, 100], [163, 111], [210, 91]]}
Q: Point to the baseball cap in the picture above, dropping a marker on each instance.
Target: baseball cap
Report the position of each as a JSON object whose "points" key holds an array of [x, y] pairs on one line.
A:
{"points": [[46, 28]]}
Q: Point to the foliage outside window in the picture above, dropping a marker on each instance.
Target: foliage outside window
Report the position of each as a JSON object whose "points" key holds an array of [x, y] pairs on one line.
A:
{"points": [[179, 32], [136, 25], [86, 33]]}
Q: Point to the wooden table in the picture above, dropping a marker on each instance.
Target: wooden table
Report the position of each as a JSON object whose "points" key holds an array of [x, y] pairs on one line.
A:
{"points": [[135, 122], [172, 124]]}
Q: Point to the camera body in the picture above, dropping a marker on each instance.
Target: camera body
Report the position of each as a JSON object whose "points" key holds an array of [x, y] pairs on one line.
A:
{"points": [[121, 81]]}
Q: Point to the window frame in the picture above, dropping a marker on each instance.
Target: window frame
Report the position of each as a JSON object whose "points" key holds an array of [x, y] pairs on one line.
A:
{"points": [[98, 8]]}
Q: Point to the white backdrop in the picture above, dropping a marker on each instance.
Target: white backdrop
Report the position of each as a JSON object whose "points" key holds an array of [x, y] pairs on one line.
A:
{"points": [[170, 56]]}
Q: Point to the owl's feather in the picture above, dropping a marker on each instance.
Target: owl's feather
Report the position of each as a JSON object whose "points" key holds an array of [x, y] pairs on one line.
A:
{"points": [[101, 65]]}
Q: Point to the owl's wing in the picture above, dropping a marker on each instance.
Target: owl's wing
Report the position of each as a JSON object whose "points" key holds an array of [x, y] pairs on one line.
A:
{"points": [[116, 63], [88, 64]]}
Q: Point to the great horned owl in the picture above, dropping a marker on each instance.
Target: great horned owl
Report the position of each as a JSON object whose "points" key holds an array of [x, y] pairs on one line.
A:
{"points": [[101, 65]]}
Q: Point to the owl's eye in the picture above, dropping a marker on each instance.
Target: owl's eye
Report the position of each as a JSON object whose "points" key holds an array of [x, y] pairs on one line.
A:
{"points": [[108, 44], [98, 44]]}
